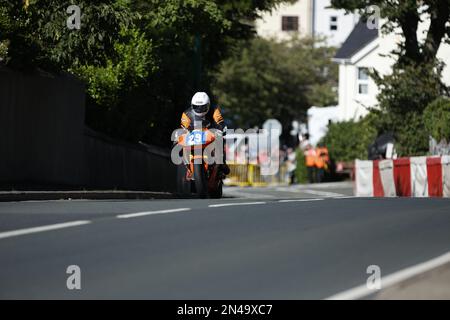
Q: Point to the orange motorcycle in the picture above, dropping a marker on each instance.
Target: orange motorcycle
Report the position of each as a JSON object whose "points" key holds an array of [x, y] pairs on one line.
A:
{"points": [[197, 173]]}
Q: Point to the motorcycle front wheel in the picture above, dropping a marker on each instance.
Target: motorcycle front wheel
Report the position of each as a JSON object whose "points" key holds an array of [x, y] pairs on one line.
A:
{"points": [[183, 185], [201, 181], [218, 193]]}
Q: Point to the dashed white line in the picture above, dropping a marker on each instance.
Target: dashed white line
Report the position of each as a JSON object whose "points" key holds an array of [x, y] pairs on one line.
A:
{"points": [[345, 197], [248, 195], [235, 204], [20, 232], [148, 213], [301, 200], [323, 193], [392, 279]]}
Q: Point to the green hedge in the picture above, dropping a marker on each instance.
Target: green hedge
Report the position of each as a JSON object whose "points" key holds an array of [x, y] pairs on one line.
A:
{"points": [[300, 172], [437, 118], [349, 140]]}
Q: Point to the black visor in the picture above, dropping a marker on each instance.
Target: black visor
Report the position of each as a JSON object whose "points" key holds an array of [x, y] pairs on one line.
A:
{"points": [[201, 109]]}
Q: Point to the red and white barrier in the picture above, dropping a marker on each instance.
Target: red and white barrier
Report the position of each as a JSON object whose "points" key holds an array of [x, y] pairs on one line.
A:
{"points": [[446, 175], [404, 177]]}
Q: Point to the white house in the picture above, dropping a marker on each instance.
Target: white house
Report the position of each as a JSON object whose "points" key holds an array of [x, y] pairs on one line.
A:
{"points": [[330, 23], [318, 120], [307, 18], [285, 20], [367, 48]]}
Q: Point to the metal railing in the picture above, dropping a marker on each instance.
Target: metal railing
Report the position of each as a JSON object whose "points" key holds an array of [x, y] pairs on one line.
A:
{"points": [[249, 175]]}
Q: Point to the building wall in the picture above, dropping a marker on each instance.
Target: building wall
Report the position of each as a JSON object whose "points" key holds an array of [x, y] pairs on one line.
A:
{"points": [[354, 105], [269, 26], [41, 129], [351, 104], [322, 20], [318, 119], [112, 164], [44, 143], [314, 18]]}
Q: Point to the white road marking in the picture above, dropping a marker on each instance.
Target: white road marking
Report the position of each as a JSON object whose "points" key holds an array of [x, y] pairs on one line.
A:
{"points": [[394, 278], [300, 200], [323, 193], [248, 195], [148, 213], [235, 204], [310, 191], [287, 189], [20, 232], [345, 197]]}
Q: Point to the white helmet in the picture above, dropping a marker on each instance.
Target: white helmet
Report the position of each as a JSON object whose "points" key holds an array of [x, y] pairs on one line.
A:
{"points": [[200, 103]]}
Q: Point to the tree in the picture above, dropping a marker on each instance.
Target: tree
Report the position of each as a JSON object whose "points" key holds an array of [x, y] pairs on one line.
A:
{"points": [[269, 79], [37, 36], [117, 102], [196, 32], [416, 79], [190, 39], [404, 95], [181, 34], [406, 15], [437, 119], [137, 57]]}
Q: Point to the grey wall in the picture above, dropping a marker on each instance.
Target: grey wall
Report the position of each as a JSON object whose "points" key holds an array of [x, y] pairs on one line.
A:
{"points": [[114, 164], [44, 142]]}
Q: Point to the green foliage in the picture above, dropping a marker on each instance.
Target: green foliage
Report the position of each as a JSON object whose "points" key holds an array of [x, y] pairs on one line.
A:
{"points": [[176, 25], [141, 59], [412, 137], [403, 97], [416, 78], [349, 140], [301, 172], [113, 88], [437, 118], [190, 38], [3, 50], [38, 35], [131, 64], [407, 15], [410, 88], [269, 79]]}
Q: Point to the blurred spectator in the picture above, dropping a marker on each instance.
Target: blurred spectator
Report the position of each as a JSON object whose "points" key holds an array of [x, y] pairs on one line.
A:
{"points": [[439, 149], [291, 165], [382, 147], [304, 141], [322, 162], [310, 161]]}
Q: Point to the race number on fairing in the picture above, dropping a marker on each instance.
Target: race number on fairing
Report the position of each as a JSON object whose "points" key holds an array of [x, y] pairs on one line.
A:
{"points": [[196, 138]]}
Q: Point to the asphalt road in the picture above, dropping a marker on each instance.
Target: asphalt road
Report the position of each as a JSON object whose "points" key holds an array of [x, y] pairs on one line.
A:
{"points": [[265, 244]]}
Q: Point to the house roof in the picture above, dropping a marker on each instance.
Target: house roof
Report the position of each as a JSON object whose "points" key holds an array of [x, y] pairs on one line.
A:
{"points": [[358, 39]]}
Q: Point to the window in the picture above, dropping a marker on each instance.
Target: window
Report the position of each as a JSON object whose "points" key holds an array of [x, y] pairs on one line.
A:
{"points": [[289, 23], [333, 23], [363, 81], [363, 89], [363, 74]]}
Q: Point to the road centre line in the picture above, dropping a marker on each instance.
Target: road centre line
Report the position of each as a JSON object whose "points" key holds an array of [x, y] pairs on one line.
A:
{"points": [[344, 197], [393, 279], [323, 193], [25, 231], [148, 213], [20, 232], [301, 200], [235, 204]]}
